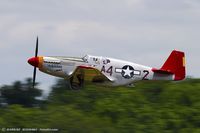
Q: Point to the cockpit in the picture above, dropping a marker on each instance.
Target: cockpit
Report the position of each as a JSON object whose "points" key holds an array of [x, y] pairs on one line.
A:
{"points": [[92, 59], [85, 58]]}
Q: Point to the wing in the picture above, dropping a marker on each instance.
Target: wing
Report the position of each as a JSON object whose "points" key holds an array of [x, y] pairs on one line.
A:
{"points": [[90, 74]]}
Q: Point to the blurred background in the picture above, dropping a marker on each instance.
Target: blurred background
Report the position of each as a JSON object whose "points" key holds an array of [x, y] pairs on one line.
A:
{"points": [[141, 31]]}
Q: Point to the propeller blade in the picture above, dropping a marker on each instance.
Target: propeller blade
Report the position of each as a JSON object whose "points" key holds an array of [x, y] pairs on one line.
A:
{"points": [[34, 76], [36, 48], [35, 69]]}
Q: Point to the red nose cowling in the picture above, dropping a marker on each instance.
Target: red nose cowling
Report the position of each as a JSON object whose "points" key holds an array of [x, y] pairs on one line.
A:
{"points": [[34, 61]]}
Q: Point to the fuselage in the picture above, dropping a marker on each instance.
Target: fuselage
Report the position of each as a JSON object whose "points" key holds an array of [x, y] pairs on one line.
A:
{"points": [[118, 71]]}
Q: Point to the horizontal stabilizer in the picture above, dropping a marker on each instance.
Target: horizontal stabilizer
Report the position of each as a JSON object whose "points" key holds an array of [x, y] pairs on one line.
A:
{"points": [[161, 71]]}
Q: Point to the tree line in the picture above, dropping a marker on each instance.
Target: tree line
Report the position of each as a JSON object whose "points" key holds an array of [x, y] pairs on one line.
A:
{"points": [[149, 107]]}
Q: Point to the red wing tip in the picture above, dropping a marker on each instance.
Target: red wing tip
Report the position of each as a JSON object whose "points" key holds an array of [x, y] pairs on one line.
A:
{"points": [[86, 67]]}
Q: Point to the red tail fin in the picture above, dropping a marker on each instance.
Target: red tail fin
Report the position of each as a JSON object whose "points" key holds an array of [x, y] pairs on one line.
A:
{"points": [[175, 64]]}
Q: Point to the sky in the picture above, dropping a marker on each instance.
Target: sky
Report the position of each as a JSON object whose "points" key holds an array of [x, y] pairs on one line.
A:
{"points": [[140, 31]]}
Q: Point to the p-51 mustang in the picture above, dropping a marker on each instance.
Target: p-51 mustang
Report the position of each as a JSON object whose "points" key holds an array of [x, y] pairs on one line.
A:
{"points": [[106, 71]]}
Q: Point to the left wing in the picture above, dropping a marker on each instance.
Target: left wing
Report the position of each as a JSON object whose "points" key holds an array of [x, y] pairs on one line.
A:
{"points": [[90, 74]]}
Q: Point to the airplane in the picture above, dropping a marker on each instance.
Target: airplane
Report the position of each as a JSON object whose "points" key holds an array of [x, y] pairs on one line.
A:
{"points": [[106, 71]]}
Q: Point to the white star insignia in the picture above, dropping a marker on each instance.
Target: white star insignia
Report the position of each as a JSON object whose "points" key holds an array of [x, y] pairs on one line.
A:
{"points": [[127, 71]]}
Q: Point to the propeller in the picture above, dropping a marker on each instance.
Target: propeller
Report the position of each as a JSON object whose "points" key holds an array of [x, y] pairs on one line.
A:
{"points": [[35, 68]]}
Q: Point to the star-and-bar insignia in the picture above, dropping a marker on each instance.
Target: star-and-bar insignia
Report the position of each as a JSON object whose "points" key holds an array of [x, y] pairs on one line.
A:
{"points": [[127, 71]]}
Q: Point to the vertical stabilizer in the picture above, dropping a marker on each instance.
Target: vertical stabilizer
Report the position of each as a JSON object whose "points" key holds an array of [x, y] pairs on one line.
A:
{"points": [[175, 64]]}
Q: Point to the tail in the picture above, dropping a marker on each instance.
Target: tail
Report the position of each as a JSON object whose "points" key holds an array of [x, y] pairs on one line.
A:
{"points": [[175, 64]]}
